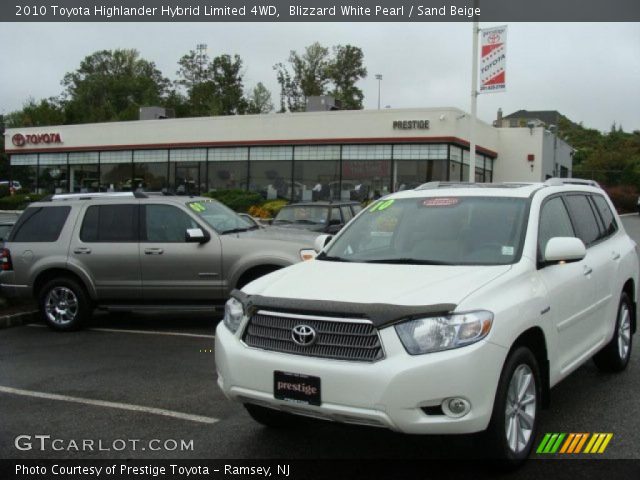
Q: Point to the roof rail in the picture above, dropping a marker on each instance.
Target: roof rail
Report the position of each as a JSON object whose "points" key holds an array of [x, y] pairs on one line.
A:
{"points": [[91, 196], [558, 182]]}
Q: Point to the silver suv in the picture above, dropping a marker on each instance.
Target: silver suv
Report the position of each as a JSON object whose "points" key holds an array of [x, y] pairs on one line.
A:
{"points": [[131, 251]]}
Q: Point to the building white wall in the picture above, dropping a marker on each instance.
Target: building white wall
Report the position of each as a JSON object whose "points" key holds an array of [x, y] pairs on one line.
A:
{"points": [[339, 125]]}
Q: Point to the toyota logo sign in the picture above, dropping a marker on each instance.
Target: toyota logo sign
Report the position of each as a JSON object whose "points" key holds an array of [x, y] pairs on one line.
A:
{"points": [[303, 335], [18, 140]]}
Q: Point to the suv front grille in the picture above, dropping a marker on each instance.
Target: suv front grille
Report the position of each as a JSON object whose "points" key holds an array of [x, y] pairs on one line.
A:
{"points": [[341, 339]]}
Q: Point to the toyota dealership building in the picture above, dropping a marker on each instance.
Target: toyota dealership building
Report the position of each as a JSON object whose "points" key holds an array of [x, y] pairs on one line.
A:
{"points": [[298, 156]]}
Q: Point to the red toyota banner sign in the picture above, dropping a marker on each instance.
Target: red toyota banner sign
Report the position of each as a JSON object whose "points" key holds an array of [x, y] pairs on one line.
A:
{"points": [[493, 59]]}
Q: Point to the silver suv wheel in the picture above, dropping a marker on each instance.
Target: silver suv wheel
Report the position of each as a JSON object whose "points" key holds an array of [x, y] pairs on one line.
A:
{"points": [[624, 331], [61, 306], [520, 411]]}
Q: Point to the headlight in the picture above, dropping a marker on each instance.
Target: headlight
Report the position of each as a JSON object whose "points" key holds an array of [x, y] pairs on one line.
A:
{"points": [[308, 254], [433, 334], [233, 314]]}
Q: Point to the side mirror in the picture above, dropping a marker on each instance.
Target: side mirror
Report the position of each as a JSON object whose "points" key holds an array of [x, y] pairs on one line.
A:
{"points": [[564, 249], [321, 241], [196, 235]]}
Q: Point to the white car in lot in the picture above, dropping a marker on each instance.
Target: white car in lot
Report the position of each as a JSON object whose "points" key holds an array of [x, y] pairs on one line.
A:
{"points": [[448, 309]]}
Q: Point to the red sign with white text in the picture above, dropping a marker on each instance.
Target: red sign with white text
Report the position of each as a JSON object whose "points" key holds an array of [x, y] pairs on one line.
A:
{"points": [[493, 59]]}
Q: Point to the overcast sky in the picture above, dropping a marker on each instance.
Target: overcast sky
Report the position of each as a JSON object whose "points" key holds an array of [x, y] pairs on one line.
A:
{"points": [[589, 72]]}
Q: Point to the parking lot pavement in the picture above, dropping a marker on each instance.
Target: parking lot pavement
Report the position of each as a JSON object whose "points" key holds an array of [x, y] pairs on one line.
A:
{"points": [[152, 377]]}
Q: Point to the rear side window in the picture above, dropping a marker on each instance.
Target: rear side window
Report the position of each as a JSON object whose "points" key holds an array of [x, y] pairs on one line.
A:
{"points": [[110, 224], [335, 214], [610, 225], [40, 224], [554, 222], [346, 214], [584, 218]]}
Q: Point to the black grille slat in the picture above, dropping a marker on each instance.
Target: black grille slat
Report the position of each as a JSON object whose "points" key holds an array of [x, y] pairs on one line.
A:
{"points": [[339, 339]]}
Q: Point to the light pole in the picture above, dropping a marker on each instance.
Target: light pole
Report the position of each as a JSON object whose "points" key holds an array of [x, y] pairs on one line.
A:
{"points": [[379, 78]]}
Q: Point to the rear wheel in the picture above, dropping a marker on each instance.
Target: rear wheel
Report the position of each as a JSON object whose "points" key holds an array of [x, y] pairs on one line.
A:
{"points": [[614, 357], [514, 421], [271, 418], [64, 304]]}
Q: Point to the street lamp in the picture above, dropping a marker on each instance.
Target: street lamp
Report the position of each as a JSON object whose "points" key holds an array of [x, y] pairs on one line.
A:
{"points": [[379, 78]]}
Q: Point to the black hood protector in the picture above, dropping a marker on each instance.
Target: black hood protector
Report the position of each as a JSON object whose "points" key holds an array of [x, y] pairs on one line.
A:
{"points": [[380, 314]]}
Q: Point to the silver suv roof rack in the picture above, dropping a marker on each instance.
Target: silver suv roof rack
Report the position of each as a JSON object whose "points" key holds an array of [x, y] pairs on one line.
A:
{"points": [[91, 196], [558, 182]]}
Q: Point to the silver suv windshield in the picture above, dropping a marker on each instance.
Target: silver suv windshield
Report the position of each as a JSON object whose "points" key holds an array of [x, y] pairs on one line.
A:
{"points": [[221, 218], [435, 231], [304, 214]]}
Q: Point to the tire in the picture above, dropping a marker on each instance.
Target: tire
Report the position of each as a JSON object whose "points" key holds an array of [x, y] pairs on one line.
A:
{"points": [[64, 304], [512, 430], [272, 418], [614, 357]]}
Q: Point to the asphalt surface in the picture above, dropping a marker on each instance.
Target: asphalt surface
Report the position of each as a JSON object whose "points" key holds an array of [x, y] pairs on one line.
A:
{"points": [[141, 362]]}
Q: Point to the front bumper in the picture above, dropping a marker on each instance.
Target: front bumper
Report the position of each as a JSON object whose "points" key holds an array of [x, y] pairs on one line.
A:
{"points": [[388, 393]]}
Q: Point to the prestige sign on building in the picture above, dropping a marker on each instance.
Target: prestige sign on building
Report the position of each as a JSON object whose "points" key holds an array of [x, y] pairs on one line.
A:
{"points": [[493, 59]]}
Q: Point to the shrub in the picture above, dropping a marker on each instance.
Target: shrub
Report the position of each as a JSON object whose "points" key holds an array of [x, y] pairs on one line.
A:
{"points": [[18, 201], [238, 200], [272, 207], [4, 191], [624, 197]]}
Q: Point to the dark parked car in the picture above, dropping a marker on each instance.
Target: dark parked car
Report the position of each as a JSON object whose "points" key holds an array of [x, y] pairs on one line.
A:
{"points": [[327, 217]]}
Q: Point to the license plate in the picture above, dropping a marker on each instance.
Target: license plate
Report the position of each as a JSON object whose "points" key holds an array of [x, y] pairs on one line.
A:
{"points": [[296, 387]]}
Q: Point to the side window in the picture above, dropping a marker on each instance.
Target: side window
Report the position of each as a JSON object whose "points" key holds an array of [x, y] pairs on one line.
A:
{"points": [[610, 225], [40, 224], [583, 218], [335, 214], [554, 222], [356, 209], [166, 223], [110, 223], [346, 214]]}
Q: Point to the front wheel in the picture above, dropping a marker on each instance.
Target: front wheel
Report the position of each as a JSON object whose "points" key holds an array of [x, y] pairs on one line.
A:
{"points": [[614, 357], [514, 422], [64, 304]]}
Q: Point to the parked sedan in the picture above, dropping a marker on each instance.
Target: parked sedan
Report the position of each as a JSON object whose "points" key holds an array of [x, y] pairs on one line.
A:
{"points": [[326, 217]]}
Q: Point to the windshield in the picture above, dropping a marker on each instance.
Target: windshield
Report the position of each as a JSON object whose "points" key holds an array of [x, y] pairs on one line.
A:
{"points": [[436, 231], [221, 218], [303, 214]]}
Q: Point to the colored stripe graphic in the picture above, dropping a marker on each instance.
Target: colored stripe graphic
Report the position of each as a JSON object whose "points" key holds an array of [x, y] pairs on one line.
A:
{"points": [[573, 443]]}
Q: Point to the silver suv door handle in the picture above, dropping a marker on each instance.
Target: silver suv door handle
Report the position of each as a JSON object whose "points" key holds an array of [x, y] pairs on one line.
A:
{"points": [[587, 270], [81, 250], [615, 255], [153, 251]]}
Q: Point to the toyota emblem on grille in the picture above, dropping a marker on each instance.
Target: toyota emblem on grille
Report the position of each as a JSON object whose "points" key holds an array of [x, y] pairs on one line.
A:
{"points": [[303, 335]]}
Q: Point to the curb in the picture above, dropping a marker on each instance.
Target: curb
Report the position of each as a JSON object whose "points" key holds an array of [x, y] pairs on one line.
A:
{"points": [[17, 319]]}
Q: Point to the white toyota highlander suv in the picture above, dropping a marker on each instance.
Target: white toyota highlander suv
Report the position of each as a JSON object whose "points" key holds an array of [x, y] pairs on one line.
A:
{"points": [[448, 309]]}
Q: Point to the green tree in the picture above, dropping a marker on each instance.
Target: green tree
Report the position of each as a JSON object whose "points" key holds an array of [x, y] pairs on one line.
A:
{"points": [[259, 101], [112, 85], [213, 87], [345, 71], [317, 72], [37, 114]]}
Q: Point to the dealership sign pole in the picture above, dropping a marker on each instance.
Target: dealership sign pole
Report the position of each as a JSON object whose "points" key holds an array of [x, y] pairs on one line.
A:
{"points": [[492, 75]]}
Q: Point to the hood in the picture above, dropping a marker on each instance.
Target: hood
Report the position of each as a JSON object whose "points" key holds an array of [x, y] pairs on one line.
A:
{"points": [[362, 283], [304, 238]]}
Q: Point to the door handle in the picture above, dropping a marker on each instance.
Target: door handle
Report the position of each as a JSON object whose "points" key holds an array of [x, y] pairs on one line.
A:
{"points": [[82, 250], [153, 251], [587, 270], [615, 255]]}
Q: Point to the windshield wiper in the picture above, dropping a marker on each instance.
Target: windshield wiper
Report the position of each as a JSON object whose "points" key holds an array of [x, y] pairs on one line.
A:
{"points": [[307, 222], [407, 261], [281, 221], [238, 230], [330, 258]]}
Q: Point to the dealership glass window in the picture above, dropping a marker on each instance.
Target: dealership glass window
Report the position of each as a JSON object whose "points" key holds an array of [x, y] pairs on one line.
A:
{"points": [[316, 173], [116, 171], [455, 171], [24, 169], [410, 173], [366, 172], [52, 173], [488, 167], [479, 168], [465, 165], [228, 168], [270, 172], [83, 172], [420, 152], [455, 153], [150, 170]]}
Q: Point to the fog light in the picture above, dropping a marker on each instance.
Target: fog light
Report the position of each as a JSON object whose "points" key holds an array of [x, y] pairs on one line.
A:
{"points": [[456, 407]]}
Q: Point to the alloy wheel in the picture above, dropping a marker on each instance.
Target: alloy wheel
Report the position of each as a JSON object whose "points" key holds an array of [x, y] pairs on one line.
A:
{"points": [[520, 408], [61, 305]]}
